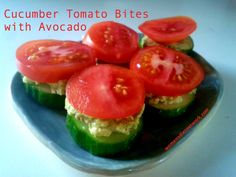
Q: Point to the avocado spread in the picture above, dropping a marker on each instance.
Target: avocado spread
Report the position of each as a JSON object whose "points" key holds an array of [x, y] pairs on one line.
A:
{"points": [[169, 100], [105, 127], [53, 88]]}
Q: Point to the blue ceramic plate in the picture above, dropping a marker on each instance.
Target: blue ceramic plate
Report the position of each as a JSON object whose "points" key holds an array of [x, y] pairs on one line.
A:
{"points": [[160, 136]]}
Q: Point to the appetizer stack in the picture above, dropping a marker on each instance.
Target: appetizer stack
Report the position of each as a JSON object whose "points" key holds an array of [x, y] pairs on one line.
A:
{"points": [[105, 81]]}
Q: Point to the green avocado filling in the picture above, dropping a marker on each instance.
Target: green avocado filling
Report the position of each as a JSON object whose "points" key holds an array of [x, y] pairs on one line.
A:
{"points": [[105, 127], [52, 88]]}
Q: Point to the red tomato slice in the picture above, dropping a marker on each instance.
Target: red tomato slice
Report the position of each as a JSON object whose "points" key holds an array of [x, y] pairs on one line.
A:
{"points": [[168, 30], [106, 91], [113, 42], [53, 60], [167, 72]]}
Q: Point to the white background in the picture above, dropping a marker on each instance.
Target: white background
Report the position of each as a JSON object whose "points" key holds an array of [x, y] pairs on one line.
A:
{"points": [[210, 150]]}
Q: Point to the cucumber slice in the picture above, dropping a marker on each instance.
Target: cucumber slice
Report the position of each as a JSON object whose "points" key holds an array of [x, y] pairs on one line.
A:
{"points": [[145, 41], [172, 106], [100, 145], [185, 45], [41, 95]]}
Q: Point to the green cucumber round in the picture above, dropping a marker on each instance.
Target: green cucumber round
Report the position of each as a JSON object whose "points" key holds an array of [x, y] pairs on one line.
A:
{"points": [[186, 45], [174, 109], [101, 146], [145, 41], [45, 98]]}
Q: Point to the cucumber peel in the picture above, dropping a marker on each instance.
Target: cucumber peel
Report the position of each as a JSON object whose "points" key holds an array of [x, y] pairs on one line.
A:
{"points": [[185, 45], [173, 108], [100, 145], [45, 98]]}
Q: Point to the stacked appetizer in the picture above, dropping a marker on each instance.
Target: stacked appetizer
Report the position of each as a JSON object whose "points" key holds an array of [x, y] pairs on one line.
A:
{"points": [[170, 78], [105, 102], [113, 42], [46, 65], [172, 32]]}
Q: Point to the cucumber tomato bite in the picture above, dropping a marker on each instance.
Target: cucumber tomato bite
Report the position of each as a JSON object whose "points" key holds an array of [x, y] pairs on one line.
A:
{"points": [[170, 78], [104, 107], [46, 65], [172, 32], [113, 42]]}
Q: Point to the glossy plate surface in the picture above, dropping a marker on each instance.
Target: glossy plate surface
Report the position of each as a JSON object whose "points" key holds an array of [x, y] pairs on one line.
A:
{"points": [[159, 139]]}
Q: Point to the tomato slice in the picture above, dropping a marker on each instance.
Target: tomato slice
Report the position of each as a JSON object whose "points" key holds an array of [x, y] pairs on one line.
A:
{"points": [[113, 42], [106, 91], [167, 72], [53, 60], [168, 30]]}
